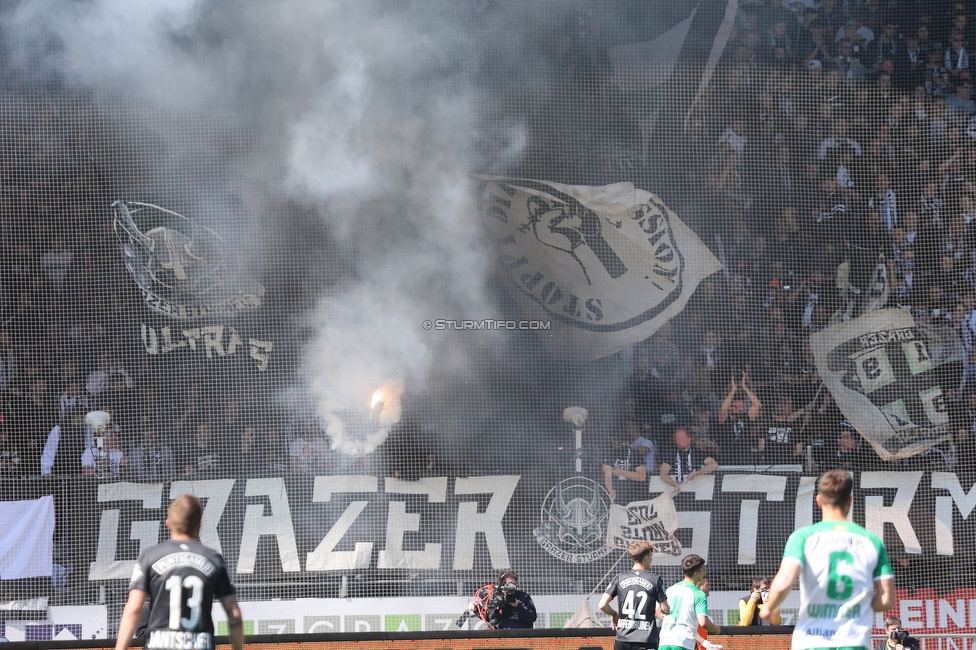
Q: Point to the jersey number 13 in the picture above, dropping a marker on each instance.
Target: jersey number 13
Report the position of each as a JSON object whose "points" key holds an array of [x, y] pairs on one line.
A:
{"points": [[177, 586]]}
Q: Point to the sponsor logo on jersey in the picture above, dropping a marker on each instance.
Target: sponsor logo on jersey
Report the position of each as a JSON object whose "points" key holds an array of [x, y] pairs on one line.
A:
{"points": [[174, 560], [636, 580], [627, 624]]}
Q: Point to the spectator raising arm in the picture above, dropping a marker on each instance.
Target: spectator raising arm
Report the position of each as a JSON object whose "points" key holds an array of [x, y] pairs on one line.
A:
{"points": [[755, 405], [723, 410]]}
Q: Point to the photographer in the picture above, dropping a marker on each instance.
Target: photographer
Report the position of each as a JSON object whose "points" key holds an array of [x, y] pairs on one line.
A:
{"points": [[750, 606], [898, 638], [508, 607]]}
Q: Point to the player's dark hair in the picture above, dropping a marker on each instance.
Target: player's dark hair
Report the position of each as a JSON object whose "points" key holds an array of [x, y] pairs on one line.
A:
{"points": [[691, 564], [639, 550], [835, 487], [185, 514]]}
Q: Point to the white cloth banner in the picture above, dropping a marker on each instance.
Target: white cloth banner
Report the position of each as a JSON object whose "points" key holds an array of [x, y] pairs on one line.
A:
{"points": [[654, 521], [879, 370], [26, 538], [605, 266]]}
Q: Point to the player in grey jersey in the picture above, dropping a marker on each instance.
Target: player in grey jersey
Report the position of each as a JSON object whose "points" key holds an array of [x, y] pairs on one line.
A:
{"points": [[182, 577]]}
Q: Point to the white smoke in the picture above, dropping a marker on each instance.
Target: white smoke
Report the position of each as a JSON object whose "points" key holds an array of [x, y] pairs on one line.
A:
{"points": [[386, 163], [360, 110]]}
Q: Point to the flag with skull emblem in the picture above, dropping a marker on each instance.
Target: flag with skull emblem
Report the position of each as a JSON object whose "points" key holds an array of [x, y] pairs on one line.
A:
{"points": [[193, 282], [606, 266]]}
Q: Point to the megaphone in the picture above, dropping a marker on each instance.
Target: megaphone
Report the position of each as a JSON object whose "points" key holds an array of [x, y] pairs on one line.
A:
{"points": [[99, 421], [576, 416]]}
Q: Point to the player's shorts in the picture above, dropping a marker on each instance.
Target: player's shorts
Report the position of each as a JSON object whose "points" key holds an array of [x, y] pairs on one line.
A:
{"points": [[630, 645]]}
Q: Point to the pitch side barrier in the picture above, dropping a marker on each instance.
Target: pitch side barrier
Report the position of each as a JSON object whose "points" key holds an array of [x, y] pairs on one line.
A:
{"points": [[737, 638]]}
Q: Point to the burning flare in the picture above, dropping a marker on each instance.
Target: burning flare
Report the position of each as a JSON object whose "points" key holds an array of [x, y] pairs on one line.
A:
{"points": [[357, 432], [378, 397]]}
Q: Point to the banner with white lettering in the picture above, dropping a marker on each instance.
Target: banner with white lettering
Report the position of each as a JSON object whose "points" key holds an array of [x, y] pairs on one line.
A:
{"points": [[193, 283], [653, 521], [882, 369], [607, 265], [291, 530]]}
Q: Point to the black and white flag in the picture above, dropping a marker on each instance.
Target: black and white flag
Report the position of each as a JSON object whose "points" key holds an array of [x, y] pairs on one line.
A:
{"points": [[606, 266], [882, 370], [653, 521]]}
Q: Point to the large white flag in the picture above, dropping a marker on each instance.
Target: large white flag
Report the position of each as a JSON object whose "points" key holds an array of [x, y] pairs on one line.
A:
{"points": [[881, 370], [605, 266], [26, 538]]}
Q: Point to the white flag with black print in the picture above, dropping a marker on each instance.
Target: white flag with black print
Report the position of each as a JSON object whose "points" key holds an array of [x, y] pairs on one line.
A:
{"points": [[883, 371], [651, 521], [605, 266]]}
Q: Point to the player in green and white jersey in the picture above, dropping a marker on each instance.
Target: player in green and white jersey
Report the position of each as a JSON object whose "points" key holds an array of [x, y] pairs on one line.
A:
{"points": [[689, 609], [845, 576]]}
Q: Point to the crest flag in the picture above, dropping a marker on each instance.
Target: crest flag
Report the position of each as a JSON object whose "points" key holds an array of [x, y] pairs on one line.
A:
{"points": [[193, 282], [606, 266], [185, 270], [888, 376], [574, 520]]}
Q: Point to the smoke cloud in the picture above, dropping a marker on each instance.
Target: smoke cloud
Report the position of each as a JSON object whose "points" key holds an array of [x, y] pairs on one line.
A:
{"points": [[368, 114], [356, 121]]}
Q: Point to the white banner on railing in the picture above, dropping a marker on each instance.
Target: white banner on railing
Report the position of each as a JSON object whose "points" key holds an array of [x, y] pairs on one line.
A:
{"points": [[26, 538]]}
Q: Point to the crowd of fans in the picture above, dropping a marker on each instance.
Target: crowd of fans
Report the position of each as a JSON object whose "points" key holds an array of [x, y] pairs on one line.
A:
{"points": [[836, 136], [44, 432], [833, 133], [70, 316]]}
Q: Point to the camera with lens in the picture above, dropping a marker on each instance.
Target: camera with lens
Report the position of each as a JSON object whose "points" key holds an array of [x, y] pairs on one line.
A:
{"points": [[505, 594], [898, 636]]}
